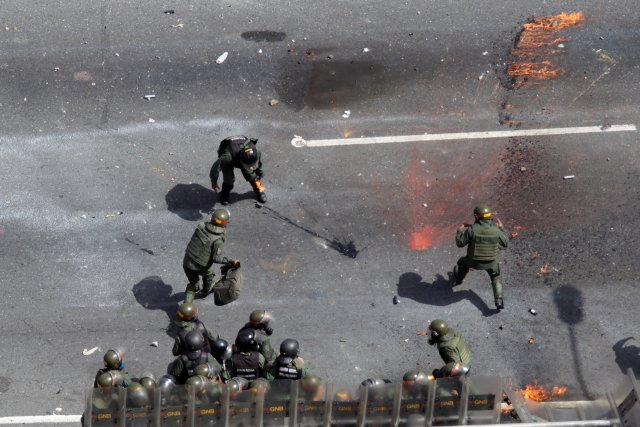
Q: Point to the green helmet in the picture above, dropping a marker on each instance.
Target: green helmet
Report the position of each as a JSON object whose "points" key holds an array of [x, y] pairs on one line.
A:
{"points": [[455, 369], [137, 395], [411, 377], [110, 379], [311, 383], [439, 328], [236, 385], [260, 386], [259, 317], [482, 211], [220, 217], [197, 382], [187, 311], [213, 391], [206, 370], [148, 380], [113, 359]]}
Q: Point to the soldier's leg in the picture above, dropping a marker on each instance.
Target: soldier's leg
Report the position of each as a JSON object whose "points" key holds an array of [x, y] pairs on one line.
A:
{"points": [[460, 270], [256, 184], [192, 287], [228, 178], [207, 282], [496, 284]]}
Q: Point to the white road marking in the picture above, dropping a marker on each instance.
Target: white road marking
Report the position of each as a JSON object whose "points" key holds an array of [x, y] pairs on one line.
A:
{"points": [[41, 419], [298, 141]]}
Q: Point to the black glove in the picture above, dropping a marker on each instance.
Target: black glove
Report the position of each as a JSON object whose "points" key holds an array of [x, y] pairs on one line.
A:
{"points": [[268, 330]]}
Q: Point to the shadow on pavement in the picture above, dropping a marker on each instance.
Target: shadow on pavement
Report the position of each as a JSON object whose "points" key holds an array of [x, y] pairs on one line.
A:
{"points": [[569, 302], [439, 292], [153, 294], [190, 201], [264, 36], [627, 356]]}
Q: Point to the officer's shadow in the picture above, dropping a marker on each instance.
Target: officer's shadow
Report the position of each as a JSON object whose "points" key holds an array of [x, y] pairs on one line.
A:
{"points": [[153, 294], [439, 292], [190, 201]]}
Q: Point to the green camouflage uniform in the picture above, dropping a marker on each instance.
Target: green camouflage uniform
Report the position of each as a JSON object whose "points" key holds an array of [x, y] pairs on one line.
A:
{"points": [[204, 249], [187, 326], [126, 382], [453, 348], [484, 239]]}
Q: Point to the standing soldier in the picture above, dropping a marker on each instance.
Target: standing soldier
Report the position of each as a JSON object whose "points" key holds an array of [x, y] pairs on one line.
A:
{"points": [[205, 249], [451, 344], [259, 321], [484, 238], [238, 152], [188, 321]]}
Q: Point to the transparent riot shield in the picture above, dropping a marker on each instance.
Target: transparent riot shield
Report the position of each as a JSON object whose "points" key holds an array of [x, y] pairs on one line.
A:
{"points": [[208, 405], [174, 403], [240, 409], [345, 406], [446, 401], [313, 404], [140, 408], [105, 407], [380, 404], [413, 404], [279, 402]]}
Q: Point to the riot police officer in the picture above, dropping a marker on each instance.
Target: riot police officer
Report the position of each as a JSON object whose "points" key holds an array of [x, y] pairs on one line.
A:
{"points": [[187, 320], [246, 361], [238, 152], [205, 249], [114, 362], [451, 344], [483, 239], [259, 321], [288, 365], [184, 366]]}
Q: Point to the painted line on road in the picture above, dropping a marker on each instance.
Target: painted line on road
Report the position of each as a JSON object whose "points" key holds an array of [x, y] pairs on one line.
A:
{"points": [[299, 142], [41, 419]]}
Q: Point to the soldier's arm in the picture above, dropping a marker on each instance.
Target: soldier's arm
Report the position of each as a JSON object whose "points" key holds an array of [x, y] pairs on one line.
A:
{"points": [[211, 334], [177, 346], [259, 170], [270, 373], [262, 364], [126, 382], [176, 368], [504, 238], [215, 171], [463, 235], [216, 253]]}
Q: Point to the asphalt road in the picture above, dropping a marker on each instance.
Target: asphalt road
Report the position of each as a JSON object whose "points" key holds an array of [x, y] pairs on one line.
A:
{"points": [[101, 189]]}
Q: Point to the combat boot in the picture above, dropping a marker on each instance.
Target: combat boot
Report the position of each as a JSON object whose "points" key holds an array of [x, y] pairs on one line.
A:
{"points": [[456, 281], [190, 292], [497, 292], [225, 194], [259, 190]]}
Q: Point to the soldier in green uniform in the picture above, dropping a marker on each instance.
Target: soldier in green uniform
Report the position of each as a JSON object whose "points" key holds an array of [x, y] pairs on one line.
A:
{"points": [[185, 365], [451, 344], [484, 238], [288, 365], [205, 249], [259, 321], [188, 321], [113, 362], [238, 152], [247, 362]]}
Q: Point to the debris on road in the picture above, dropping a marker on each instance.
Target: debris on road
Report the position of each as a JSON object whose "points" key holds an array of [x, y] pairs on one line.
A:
{"points": [[291, 50], [83, 216], [500, 327], [56, 68], [329, 56], [178, 25], [89, 352], [481, 76], [366, 49], [568, 177], [57, 411], [523, 169], [561, 45], [114, 215], [532, 311], [396, 301], [535, 254], [169, 12], [222, 57], [151, 120], [346, 114], [274, 102], [149, 97], [259, 50], [154, 344], [514, 234], [116, 53], [424, 205], [543, 270], [531, 340], [485, 53], [342, 339]]}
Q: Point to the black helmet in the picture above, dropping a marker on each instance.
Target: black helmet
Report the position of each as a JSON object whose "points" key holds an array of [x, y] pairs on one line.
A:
{"points": [[482, 211], [194, 342], [246, 340], [249, 155], [222, 349], [187, 311], [113, 359], [290, 348]]}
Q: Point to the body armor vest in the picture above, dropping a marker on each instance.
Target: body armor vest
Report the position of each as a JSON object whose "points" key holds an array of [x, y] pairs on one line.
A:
{"points": [[458, 345], [485, 243], [201, 243], [246, 367], [286, 370]]}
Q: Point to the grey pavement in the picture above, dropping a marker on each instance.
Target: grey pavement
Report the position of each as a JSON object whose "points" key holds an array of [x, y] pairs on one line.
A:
{"points": [[97, 201]]}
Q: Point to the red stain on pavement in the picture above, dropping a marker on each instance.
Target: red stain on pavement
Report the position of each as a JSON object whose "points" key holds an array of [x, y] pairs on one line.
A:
{"points": [[437, 200]]}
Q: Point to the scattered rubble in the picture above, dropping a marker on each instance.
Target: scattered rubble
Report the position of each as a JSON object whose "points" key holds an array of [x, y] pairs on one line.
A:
{"points": [[89, 352], [568, 177], [222, 58], [346, 114], [154, 344], [149, 97], [274, 102], [169, 12], [396, 301], [532, 311], [531, 340]]}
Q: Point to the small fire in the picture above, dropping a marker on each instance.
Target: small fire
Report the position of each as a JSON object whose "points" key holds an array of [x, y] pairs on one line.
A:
{"points": [[539, 393], [544, 269], [536, 44]]}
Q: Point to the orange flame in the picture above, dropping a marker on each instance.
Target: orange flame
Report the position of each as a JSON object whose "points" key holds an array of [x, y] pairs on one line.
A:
{"points": [[545, 268], [539, 393], [534, 48]]}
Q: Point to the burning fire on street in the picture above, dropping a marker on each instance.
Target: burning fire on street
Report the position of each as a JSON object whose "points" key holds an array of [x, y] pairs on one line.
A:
{"points": [[540, 393], [535, 47]]}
